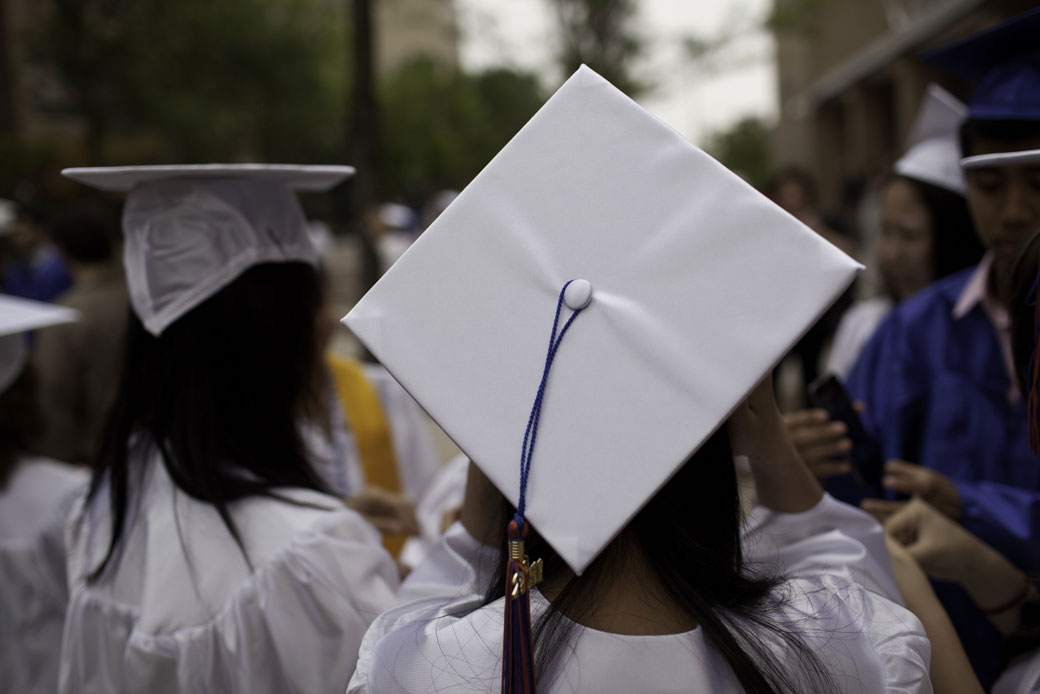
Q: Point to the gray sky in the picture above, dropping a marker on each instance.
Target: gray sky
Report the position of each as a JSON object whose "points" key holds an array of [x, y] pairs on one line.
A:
{"points": [[694, 99]]}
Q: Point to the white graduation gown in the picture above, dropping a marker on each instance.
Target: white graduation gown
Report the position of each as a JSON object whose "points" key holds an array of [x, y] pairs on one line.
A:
{"points": [[33, 507], [182, 611], [840, 595], [339, 462]]}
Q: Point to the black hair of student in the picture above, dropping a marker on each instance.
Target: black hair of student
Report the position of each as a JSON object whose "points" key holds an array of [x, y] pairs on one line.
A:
{"points": [[797, 175], [955, 245], [86, 231], [21, 421], [1005, 131], [221, 394], [689, 533]]}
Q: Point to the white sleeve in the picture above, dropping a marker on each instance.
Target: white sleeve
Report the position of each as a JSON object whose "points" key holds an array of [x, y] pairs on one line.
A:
{"points": [[831, 536], [445, 493], [416, 455]]}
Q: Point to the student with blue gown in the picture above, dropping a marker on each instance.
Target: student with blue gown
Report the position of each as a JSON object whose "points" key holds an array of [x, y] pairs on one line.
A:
{"points": [[937, 380]]}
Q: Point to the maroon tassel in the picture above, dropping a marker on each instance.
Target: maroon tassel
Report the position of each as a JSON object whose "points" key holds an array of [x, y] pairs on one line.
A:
{"points": [[518, 642], [1033, 397]]}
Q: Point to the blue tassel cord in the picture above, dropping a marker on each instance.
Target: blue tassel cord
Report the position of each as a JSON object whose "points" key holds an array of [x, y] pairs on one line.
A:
{"points": [[518, 675]]}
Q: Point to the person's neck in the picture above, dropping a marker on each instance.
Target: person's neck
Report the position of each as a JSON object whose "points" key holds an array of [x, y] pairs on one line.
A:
{"points": [[997, 282], [630, 600]]}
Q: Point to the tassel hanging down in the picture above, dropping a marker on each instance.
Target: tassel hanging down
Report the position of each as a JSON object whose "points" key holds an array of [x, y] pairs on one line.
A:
{"points": [[518, 676], [518, 645]]}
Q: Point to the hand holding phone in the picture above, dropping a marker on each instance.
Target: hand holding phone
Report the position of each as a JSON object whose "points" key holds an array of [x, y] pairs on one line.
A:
{"points": [[828, 394]]}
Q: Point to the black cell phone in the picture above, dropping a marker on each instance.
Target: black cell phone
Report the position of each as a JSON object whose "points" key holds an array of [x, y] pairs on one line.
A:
{"points": [[827, 393]]}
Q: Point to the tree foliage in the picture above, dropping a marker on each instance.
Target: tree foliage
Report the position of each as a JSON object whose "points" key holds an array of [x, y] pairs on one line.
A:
{"points": [[600, 34], [210, 79], [441, 126], [744, 148]]}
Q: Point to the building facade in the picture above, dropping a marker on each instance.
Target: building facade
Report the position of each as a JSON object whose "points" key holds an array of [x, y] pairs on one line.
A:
{"points": [[851, 80]]}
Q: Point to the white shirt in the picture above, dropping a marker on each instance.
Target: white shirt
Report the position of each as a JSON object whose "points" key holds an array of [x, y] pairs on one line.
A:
{"points": [[855, 329], [181, 610], [33, 507], [840, 594]]}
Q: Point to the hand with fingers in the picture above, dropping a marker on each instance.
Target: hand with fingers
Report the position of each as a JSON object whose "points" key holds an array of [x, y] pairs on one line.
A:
{"points": [[822, 443], [389, 513], [902, 477], [757, 431], [945, 550]]}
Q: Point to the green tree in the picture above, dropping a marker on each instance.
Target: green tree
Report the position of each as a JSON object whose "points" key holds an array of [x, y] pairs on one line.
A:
{"points": [[600, 34], [744, 148], [441, 126], [210, 79]]}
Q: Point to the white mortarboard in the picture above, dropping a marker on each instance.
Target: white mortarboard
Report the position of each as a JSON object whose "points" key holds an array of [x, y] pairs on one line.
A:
{"points": [[17, 317], [1020, 158], [934, 152], [191, 230], [699, 286]]}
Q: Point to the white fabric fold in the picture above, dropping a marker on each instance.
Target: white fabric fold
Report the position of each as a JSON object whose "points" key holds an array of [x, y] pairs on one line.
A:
{"points": [[182, 611], [839, 595]]}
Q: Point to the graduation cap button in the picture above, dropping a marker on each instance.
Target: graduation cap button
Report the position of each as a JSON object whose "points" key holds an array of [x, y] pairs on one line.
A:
{"points": [[577, 295]]}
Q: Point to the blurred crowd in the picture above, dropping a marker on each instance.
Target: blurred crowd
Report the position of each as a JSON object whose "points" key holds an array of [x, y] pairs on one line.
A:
{"points": [[198, 494]]}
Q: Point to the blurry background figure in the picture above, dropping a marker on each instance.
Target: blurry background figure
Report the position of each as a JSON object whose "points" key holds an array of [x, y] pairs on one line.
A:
{"points": [[34, 269], [382, 441], [78, 364], [794, 190], [397, 227], [35, 495], [209, 553], [437, 204], [321, 236], [946, 551], [375, 449], [926, 229]]}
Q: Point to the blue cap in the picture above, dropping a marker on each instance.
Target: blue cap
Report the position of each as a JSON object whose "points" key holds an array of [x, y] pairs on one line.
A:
{"points": [[1005, 63]]}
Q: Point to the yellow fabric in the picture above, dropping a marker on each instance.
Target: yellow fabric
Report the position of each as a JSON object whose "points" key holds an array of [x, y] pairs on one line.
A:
{"points": [[365, 417]]}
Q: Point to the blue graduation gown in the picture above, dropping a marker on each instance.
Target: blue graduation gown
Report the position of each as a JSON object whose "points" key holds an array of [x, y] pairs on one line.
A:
{"points": [[936, 390]]}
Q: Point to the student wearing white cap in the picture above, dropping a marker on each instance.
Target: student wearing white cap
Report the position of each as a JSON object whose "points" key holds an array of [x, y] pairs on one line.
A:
{"points": [[206, 555], [35, 496], [671, 289], [926, 230], [926, 233]]}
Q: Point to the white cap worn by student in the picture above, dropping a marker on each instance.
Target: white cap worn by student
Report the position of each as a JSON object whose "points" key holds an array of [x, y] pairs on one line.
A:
{"points": [[934, 153], [684, 287], [190, 230], [17, 317], [698, 285]]}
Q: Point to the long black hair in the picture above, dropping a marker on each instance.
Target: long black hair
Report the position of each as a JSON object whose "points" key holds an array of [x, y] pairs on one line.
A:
{"points": [[221, 393], [689, 534], [955, 245]]}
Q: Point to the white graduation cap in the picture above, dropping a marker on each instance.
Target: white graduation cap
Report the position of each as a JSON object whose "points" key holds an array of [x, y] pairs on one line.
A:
{"points": [[190, 230], [17, 317], [934, 151], [699, 285], [1019, 158]]}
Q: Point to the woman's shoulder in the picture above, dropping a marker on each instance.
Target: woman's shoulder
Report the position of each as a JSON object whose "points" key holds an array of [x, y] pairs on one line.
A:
{"points": [[185, 604], [179, 564], [37, 496]]}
